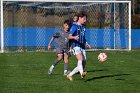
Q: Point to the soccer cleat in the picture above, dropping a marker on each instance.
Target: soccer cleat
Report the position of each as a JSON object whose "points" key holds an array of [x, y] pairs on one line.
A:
{"points": [[69, 78], [50, 70], [83, 75]]}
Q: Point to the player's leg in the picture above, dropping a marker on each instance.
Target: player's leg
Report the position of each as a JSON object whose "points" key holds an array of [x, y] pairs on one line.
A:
{"points": [[77, 69], [84, 59], [66, 62], [78, 53], [58, 59], [84, 63], [79, 65]]}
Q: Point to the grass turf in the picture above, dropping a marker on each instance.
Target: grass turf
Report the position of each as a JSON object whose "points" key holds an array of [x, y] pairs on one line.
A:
{"points": [[27, 73]]}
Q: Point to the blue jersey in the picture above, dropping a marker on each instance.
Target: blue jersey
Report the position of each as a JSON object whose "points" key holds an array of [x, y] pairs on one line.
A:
{"points": [[80, 31]]}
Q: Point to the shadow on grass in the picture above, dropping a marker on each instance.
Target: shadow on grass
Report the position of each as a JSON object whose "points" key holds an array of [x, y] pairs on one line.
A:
{"points": [[54, 74], [97, 70], [107, 76]]}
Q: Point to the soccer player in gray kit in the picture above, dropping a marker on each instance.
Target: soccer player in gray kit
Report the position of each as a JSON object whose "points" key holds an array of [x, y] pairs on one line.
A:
{"points": [[62, 41]]}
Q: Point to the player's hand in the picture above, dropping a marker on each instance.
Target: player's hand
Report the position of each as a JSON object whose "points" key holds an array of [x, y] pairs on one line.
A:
{"points": [[70, 52], [49, 47], [76, 37], [88, 45]]}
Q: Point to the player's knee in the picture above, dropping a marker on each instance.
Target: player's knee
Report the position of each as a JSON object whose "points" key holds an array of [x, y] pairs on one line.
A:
{"points": [[79, 57], [59, 57], [66, 61]]}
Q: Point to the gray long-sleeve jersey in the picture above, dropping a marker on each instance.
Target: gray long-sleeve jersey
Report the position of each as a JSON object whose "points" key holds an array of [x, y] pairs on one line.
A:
{"points": [[61, 38]]}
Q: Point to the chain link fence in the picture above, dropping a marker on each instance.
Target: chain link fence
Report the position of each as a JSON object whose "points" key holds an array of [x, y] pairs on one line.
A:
{"points": [[28, 26]]}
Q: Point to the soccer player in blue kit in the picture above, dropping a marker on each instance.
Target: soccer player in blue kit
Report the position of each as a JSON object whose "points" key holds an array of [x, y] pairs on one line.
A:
{"points": [[77, 34]]}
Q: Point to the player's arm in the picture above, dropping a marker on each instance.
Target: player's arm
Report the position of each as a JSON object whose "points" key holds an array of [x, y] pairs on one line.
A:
{"points": [[73, 37], [70, 49], [70, 46], [56, 35], [49, 45], [87, 44], [71, 32]]}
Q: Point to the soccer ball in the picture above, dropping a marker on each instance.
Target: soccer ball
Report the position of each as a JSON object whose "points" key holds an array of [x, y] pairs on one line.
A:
{"points": [[102, 57]]}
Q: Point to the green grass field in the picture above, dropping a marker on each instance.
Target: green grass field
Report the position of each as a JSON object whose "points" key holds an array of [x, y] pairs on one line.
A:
{"points": [[27, 73]]}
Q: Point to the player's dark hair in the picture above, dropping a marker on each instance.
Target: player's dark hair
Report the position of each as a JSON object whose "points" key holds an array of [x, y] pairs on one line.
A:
{"points": [[67, 21], [82, 14], [76, 15]]}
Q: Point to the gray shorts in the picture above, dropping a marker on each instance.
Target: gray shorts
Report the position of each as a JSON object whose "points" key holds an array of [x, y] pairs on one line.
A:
{"points": [[62, 51]]}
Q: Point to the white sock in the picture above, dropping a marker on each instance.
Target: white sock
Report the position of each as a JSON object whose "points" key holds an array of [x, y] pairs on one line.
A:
{"points": [[74, 71], [65, 71], [80, 66]]}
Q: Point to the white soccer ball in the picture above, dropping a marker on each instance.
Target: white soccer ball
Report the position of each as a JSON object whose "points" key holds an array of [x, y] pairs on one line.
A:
{"points": [[102, 57]]}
